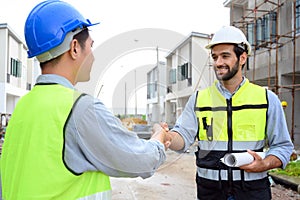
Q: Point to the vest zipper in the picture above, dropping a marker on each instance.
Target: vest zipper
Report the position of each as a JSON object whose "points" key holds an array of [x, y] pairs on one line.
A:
{"points": [[229, 124], [229, 146]]}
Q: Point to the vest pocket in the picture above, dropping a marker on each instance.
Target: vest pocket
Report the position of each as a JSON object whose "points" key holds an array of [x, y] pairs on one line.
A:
{"points": [[208, 127], [245, 132], [210, 159]]}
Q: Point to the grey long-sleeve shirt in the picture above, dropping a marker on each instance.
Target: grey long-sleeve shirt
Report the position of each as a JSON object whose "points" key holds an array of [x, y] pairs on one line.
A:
{"points": [[278, 136], [97, 141]]}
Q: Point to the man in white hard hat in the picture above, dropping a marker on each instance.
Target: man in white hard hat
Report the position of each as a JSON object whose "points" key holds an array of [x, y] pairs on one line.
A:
{"points": [[62, 144], [231, 116]]}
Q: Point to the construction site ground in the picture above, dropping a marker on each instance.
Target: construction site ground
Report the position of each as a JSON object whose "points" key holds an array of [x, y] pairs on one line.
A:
{"points": [[175, 180]]}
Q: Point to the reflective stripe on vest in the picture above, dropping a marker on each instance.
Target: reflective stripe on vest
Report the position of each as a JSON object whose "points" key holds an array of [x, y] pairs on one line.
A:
{"points": [[229, 125], [33, 165], [223, 175]]}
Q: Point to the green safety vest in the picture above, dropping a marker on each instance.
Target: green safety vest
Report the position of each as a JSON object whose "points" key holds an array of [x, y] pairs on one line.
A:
{"points": [[32, 163], [230, 125]]}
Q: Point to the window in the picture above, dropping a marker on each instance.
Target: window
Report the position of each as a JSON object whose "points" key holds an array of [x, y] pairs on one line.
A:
{"points": [[267, 33], [172, 76], [250, 31], [264, 32], [297, 16], [183, 72], [15, 67], [152, 83], [259, 32], [19, 68], [273, 21], [151, 90], [270, 26]]}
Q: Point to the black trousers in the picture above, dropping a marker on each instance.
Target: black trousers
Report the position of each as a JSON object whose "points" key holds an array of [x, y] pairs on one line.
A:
{"points": [[249, 190]]}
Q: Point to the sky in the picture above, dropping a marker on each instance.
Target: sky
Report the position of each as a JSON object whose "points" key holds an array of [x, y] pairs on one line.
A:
{"points": [[119, 17]]}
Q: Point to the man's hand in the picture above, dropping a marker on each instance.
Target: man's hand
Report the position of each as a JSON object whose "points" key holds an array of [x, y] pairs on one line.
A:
{"points": [[259, 164], [159, 132]]}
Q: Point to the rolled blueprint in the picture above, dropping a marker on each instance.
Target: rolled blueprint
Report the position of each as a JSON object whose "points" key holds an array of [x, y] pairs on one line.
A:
{"points": [[239, 159]]}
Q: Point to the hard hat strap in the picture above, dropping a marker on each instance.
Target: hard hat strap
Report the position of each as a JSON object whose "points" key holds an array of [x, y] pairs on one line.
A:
{"points": [[242, 46]]}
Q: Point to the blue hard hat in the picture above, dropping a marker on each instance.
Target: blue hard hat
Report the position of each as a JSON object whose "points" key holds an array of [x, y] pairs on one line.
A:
{"points": [[48, 23]]}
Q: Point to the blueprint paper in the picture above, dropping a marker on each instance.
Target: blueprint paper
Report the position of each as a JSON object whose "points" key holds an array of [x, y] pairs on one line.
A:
{"points": [[239, 159]]}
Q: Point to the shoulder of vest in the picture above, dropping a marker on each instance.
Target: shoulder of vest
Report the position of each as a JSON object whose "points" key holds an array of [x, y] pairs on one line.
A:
{"points": [[255, 88]]}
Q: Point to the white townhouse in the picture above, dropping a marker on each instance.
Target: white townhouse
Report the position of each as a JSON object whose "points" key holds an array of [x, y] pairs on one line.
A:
{"points": [[18, 73]]}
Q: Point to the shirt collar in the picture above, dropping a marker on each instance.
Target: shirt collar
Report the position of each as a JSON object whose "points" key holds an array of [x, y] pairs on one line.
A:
{"points": [[226, 92], [53, 78]]}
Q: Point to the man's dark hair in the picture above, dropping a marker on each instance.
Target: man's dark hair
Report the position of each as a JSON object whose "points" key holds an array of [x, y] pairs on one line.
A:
{"points": [[238, 52], [81, 37]]}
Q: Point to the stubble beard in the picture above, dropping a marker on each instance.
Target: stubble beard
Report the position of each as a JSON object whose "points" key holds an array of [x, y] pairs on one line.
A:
{"points": [[230, 74]]}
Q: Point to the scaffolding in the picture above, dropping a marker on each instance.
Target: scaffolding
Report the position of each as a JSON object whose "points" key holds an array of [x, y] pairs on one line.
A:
{"points": [[252, 13]]}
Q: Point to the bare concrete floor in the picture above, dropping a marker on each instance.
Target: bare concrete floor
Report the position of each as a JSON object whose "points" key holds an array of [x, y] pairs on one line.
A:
{"points": [[175, 179]]}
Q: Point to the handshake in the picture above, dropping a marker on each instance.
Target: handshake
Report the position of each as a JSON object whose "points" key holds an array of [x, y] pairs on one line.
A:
{"points": [[161, 133]]}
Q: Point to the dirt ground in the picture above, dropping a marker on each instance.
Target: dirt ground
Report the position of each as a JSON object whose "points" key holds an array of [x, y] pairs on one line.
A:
{"points": [[281, 193], [175, 180]]}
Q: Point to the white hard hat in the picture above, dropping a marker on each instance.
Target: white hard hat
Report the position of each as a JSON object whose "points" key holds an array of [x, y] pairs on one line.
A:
{"points": [[231, 35]]}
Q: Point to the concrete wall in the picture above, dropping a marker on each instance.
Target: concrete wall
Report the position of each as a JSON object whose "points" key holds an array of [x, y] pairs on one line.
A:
{"points": [[278, 60]]}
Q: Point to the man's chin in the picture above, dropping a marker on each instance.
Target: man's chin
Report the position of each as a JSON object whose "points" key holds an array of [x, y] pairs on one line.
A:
{"points": [[220, 77]]}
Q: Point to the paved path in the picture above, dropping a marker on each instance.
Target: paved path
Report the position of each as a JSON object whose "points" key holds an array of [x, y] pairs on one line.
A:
{"points": [[175, 180]]}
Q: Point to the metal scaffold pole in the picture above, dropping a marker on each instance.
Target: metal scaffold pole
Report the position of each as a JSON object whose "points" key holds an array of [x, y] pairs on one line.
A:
{"points": [[272, 44]]}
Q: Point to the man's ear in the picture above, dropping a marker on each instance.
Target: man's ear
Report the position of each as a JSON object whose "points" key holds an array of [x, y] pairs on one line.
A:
{"points": [[75, 48], [243, 58]]}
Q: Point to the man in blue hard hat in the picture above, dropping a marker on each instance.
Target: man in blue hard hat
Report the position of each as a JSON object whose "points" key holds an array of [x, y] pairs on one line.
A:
{"points": [[60, 143]]}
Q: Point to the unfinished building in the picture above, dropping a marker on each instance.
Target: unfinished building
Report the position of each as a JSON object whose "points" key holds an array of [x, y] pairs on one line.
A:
{"points": [[273, 29]]}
